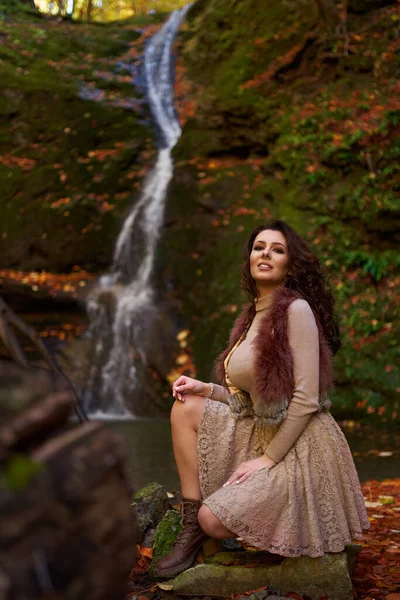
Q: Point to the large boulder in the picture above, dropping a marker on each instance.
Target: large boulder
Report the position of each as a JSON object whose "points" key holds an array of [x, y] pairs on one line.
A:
{"points": [[235, 573]]}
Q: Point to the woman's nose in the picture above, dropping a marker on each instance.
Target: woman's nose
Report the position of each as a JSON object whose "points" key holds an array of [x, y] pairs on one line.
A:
{"points": [[266, 252]]}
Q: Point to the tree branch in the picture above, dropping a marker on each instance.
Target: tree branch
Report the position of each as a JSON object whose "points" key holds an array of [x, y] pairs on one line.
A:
{"points": [[10, 340]]}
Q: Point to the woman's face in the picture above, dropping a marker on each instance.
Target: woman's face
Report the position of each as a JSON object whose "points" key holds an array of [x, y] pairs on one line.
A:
{"points": [[269, 260]]}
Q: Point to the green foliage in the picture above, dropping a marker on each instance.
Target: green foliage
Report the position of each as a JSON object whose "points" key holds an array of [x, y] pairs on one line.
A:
{"points": [[111, 10], [17, 6], [375, 264]]}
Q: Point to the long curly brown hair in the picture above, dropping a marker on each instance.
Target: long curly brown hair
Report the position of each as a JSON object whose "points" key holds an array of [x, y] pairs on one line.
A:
{"points": [[306, 275]]}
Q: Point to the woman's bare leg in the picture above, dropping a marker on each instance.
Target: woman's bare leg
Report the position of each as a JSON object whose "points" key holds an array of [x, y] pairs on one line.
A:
{"points": [[185, 419]]}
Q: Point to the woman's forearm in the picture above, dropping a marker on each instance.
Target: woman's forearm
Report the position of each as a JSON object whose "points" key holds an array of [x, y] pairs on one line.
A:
{"points": [[303, 339], [290, 430]]}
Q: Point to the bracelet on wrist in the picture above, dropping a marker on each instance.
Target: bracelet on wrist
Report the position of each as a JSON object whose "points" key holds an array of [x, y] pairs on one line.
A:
{"points": [[211, 390]]}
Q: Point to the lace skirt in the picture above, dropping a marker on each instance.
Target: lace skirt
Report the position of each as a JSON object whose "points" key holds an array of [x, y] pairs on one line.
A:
{"points": [[308, 504]]}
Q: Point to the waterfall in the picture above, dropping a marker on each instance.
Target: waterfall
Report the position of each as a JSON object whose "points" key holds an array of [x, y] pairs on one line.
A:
{"points": [[119, 305]]}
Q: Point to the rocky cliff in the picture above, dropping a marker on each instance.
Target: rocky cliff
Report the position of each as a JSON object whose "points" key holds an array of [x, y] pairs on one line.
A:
{"points": [[288, 117]]}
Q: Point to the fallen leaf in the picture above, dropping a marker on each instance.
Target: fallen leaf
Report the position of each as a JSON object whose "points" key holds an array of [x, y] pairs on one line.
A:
{"points": [[147, 552], [167, 586]]}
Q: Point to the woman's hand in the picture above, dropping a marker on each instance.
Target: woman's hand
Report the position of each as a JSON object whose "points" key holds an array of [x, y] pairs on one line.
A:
{"points": [[247, 468], [188, 385]]}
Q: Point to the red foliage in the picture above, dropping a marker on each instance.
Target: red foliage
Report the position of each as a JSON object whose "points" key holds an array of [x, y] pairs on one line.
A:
{"points": [[184, 96], [281, 61], [26, 164], [377, 571]]}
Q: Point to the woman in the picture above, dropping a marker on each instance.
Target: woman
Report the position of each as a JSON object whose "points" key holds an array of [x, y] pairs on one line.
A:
{"points": [[260, 457]]}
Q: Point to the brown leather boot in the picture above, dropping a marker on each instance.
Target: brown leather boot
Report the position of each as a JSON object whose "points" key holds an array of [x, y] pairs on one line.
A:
{"points": [[186, 545]]}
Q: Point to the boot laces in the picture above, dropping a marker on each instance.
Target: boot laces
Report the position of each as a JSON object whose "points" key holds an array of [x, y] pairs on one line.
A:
{"points": [[189, 523]]}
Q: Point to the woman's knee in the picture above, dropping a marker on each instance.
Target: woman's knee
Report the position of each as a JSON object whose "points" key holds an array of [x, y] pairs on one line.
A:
{"points": [[208, 521], [188, 411]]}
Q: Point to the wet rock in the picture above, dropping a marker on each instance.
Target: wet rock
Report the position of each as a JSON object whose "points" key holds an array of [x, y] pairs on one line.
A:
{"points": [[229, 545], [328, 574], [150, 505], [166, 533]]}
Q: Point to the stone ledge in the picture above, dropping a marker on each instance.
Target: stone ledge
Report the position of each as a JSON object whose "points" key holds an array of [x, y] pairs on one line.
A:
{"points": [[315, 577]]}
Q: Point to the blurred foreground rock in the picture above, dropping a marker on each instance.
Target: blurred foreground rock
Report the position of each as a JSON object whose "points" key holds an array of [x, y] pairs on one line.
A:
{"points": [[66, 526]]}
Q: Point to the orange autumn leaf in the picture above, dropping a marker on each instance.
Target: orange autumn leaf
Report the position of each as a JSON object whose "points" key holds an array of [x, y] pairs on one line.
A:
{"points": [[200, 558], [147, 552]]}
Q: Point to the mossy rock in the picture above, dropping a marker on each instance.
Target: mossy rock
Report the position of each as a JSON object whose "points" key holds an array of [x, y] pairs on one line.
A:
{"points": [[150, 505], [166, 534], [314, 577]]}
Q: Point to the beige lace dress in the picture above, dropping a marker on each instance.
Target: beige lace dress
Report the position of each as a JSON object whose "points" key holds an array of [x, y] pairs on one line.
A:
{"points": [[310, 502]]}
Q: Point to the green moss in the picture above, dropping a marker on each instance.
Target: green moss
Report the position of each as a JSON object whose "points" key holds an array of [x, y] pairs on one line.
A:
{"points": [[70, 167], [147, 491], [19, 471], [166, 534]]}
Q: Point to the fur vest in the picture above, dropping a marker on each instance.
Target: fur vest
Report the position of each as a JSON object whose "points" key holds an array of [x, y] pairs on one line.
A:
{"points": [[273, 362]]}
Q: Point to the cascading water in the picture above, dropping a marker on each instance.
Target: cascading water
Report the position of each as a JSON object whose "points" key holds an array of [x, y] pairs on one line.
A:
{"points": [[117, 307]]}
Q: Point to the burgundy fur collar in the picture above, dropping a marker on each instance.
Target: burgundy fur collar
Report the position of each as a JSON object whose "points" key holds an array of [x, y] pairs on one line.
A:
{"points": [[274, 361]]}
